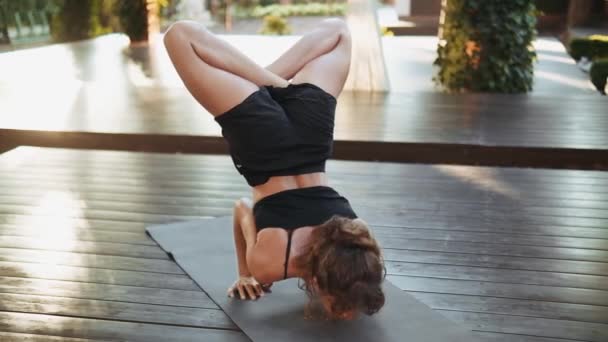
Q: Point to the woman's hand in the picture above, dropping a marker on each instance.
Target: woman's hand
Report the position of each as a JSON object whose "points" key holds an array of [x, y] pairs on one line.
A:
{"points": [[247, 288]]}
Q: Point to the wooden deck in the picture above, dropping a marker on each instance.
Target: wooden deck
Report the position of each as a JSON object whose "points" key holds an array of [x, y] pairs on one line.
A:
{"points": [[516, 255], [91, 95]]}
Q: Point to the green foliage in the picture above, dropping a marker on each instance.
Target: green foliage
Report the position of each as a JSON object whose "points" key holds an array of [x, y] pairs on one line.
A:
{"points": [[487, 46], [275, 25], [277, 10], [599, 74], [133, 17], [592, 47], [74, 20], [386, 32]]}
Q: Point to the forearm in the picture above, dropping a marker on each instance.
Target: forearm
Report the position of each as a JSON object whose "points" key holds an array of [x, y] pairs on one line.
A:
{"points": [[309, 47], [241, 246], [220, 54]]}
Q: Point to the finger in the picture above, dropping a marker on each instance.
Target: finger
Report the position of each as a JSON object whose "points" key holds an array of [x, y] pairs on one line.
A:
{"points": [[259, 290], [241, 292], [251, 292]]}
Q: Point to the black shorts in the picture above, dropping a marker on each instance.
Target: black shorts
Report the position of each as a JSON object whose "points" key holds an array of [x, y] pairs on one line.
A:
{"points": [[280, 131]]}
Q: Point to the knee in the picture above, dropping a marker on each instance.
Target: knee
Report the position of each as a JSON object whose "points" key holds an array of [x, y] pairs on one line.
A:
{"points": [[183, 30], [336, 25]]}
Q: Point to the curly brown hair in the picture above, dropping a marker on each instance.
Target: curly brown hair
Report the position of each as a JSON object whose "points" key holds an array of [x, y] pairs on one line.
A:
{"points": [[342, 260]]}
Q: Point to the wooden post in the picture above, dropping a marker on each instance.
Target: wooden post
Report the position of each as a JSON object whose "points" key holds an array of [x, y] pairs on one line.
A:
{"points": [[153, 18], [228, 16], [367, 69], [579, 11]]}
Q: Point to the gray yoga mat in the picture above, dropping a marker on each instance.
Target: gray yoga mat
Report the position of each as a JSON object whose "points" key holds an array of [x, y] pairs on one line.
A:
{"points": [[205, 250]]}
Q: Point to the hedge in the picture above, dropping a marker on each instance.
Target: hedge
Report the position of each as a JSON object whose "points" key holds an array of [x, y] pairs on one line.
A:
{"points": [[592, 47], [599, 74], [487, 46]]}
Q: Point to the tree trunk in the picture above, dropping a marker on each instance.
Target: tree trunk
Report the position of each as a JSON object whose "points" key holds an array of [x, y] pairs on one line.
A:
{"points": [[579, 11], [4, 37]]}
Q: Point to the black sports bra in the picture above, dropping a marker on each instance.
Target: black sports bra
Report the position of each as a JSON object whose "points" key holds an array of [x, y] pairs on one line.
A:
{"points": [[292, 209]]}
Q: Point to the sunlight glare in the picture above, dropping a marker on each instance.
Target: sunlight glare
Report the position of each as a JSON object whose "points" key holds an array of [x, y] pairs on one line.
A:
{"points": [[484, 179]]}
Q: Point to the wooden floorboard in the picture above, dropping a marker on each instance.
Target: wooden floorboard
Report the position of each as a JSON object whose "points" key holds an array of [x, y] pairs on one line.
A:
{"points": [[111, 262], [494, 337], [16, 337], [107, 292], [95, 275], [517, 255], [496, 261], [527, 308], [556, 328], [501, 290], [96, 329], [116, 311], [499, 275]]}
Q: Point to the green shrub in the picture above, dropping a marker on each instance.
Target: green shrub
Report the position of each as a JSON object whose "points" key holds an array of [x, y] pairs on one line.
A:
{"points": [[592, 47], [486, 45], [307, 9], [74, 20], [275, 25], [599, 74], [133, 17]]}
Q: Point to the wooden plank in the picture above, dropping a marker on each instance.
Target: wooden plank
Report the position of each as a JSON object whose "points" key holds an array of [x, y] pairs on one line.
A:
{"points": [[584, 331], [367, 70], [80, 234], [582, 156], [116, 311], [94, 275], [492, 238], [4, 148], [89, 260], [109, 292], [219, 168], [400, 197], [148, 218], [469, 225], [64, 159], [16, 337], [459, 222], [501, 337], [191, 172], [497, 261], [150, 209], [383, 217], [110, 330], [494, 186], [558, 253], [515, 307], [501, 290], [65, 244], [498, 275], [75, 223]]}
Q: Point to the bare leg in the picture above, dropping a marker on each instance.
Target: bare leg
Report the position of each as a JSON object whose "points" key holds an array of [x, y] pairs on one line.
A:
{"points": [[321, 57], [330, 70], [216, 74]]}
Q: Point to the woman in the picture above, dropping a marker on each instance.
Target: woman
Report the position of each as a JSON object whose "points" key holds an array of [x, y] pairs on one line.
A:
{"points": [[280, 134]]}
